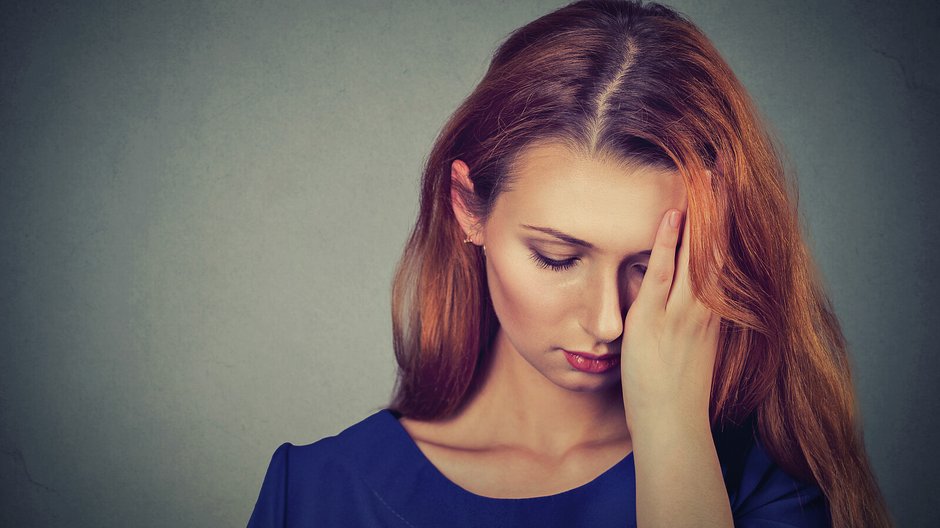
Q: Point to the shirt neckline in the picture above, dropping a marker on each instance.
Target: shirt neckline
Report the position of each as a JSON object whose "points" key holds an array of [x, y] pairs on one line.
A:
{"points": [[599, 482]]}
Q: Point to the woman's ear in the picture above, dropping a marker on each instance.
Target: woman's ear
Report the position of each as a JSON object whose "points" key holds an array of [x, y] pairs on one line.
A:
{"points": [[460, 187]]}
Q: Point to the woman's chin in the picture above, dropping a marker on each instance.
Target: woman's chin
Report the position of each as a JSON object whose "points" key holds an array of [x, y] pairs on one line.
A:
{"points": [[580, 382]]}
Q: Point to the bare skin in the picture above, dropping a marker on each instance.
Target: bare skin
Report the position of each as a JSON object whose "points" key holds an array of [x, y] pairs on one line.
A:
{"points": [[485, 449], [538, 426]]}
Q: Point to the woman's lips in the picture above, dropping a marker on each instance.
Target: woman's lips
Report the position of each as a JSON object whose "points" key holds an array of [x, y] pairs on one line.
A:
{"points": [[591, 363]]}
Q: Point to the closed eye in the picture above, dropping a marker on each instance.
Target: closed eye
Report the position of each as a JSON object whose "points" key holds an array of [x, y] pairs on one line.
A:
{"points": [[555, 265], [561, 265]]}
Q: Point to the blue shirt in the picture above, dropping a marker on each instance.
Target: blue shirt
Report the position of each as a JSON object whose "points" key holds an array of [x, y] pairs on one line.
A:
{"points": [[373, 474]]}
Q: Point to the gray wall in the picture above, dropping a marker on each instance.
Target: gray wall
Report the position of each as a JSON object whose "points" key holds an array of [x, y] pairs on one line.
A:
{"points": [[202, 203]]}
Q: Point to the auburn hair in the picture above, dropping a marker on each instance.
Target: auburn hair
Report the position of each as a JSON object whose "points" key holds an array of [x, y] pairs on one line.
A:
{"points": [[640, 81]]}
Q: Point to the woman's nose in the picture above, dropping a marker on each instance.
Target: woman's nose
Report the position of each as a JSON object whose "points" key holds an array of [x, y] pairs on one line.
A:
{"points": [[606, 306]]}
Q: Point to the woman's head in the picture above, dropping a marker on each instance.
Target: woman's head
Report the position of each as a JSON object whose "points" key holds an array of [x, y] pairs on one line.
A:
{"points": [[637, 86], [567, 245]]}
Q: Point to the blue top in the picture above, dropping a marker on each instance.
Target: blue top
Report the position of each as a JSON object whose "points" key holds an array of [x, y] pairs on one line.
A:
{"points": [[373, 474]]}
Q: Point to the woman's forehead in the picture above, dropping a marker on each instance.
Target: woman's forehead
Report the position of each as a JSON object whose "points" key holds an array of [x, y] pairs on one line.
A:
{"points": [[556, 177], [599, 199]]}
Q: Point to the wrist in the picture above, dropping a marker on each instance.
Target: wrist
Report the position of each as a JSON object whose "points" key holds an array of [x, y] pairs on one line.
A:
{"points": [[667, 410], [667, 422]]}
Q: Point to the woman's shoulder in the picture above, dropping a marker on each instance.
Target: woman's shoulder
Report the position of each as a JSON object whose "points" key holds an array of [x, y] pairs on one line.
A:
{"points": [[304, 482], [349, 446], [760, 489]]}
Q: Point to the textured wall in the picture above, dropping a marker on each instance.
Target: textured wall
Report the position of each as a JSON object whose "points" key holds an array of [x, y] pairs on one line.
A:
{"points": [[201, 204]]}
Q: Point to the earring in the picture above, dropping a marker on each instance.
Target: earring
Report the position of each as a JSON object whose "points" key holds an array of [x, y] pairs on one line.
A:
{"points": [[466, 240]]}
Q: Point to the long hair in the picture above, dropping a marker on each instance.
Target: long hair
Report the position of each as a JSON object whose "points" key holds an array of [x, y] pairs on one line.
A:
{"points": [[642, 82]]}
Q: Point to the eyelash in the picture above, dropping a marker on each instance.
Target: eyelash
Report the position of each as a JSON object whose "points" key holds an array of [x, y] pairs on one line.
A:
{"points": [[555, 265], [561, 265]]}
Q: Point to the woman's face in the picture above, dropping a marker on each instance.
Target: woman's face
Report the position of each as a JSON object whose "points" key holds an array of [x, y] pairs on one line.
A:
{"points": [[579, 305]]}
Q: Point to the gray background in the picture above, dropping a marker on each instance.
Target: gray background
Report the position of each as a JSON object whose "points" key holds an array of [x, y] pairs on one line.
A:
{"points": [[202, 204]]}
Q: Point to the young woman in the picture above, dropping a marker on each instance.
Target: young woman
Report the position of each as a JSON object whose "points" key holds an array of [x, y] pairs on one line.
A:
{"points": [[605, 315]]}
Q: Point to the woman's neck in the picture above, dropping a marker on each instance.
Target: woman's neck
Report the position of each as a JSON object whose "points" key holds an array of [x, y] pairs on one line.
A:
{"points": [[518, 406]]}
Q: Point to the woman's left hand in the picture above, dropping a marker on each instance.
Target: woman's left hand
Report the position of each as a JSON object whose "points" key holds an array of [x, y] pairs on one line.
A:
{"points": [[670, 338]]}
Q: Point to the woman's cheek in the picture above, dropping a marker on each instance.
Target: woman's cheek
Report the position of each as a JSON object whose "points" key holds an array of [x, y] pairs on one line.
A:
{"points": [[507, 281], [525, 297], [533, 302]]}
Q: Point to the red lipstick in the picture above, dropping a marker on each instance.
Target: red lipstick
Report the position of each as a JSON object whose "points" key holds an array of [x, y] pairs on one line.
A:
{"points": [[592, 363]]}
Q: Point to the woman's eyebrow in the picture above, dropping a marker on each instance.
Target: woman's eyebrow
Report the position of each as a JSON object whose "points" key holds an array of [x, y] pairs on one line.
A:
{"points": [[563, 236], [570, 239]]}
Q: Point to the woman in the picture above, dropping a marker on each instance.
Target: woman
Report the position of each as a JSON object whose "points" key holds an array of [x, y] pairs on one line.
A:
{"points": [[605, 314]]}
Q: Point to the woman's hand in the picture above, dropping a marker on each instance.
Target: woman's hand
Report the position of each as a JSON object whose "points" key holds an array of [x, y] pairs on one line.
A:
{"points": [[668, 353], [670, 338]]}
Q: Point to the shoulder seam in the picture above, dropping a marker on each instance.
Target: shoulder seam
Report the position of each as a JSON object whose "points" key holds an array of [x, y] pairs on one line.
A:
{"points": [[382, 500]]}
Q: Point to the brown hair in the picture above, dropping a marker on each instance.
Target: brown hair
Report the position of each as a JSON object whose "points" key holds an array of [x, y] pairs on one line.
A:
{"points": [[642, 82]]}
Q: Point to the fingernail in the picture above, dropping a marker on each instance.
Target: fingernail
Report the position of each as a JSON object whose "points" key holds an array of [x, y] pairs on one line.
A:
{"points": [[674, 219]]}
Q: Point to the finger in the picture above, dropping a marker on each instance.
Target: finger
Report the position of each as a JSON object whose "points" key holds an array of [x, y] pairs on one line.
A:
{"points": [[680, 293], [682, 299], [654, 290]]}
